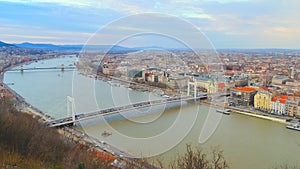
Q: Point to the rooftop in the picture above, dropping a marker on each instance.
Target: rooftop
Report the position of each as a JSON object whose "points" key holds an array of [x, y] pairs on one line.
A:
{"points": [[245, 89], [282, 99]]}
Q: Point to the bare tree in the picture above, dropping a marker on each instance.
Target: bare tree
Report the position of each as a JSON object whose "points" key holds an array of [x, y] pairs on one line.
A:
{"points": [[198, 159]]}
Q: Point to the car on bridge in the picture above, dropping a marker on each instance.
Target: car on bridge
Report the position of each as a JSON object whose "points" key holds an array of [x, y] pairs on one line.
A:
{"points": [[66, 119], [50, 123], [79, 116]]}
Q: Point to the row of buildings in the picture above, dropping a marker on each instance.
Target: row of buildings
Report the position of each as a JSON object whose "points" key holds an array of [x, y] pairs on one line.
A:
{"points": [[266, 101], [266, 80]]}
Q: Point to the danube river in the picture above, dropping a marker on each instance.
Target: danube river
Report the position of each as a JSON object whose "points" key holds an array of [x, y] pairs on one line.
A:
{"points": [[247, 142]]}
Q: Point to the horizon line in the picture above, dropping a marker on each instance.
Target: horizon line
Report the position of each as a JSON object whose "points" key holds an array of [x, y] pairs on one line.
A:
{"points": [[81, 44]]}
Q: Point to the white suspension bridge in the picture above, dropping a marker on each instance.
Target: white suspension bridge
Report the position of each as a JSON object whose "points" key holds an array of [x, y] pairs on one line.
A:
{"points": [[73, 117]]}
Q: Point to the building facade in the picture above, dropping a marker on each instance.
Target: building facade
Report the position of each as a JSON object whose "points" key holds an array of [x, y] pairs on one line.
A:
{"points": [[262, 100], [211, 86], [293, 106], [278, 105], [242, 96]]}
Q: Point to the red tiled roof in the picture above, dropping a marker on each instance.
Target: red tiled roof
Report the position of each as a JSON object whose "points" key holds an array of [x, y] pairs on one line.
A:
{"points": [[112, 67], [104, 156], [25, 59], [282, 99], [229, 72], [265, 88], [274, 99], [106, 60], [221, 85], [245, 89]]}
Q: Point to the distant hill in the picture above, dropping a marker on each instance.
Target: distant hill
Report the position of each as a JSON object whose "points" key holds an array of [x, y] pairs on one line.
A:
{"points": [[48, 46], [111, 48], [122, 49], [5, 44], [79, 47], [72, 47], [36, 46]]}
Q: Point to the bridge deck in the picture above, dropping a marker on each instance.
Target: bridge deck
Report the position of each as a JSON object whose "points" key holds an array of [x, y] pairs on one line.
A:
{"points": [[87, 116], [43, 68]]}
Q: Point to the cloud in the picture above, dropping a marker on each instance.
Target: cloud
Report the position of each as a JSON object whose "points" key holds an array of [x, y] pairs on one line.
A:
{"points": [[228, 21], [281, 29], [227, 1], [130, 28], [186, 9], [23, 33], [285, 33], [236, 33], [199, 16], [32, 37], [78, 3], [117, 5]]}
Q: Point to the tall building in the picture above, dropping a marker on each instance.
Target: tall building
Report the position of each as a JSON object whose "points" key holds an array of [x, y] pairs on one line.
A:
{"points": [[291, 72], [243, 96], [278, 105], [262, 100], [286, 105], [293, 106]]}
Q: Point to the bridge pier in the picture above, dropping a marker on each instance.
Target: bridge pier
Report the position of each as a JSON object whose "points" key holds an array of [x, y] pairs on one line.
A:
{"points": [[21, 69], [195, 88], [62, 67], [72, 114]]}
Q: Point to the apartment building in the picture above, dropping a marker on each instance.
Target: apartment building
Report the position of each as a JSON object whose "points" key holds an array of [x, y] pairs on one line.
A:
{"points": [[262, 100]]}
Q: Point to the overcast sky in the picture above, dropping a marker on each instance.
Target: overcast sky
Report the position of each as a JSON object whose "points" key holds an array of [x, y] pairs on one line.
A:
{"points": [[226, 23]]}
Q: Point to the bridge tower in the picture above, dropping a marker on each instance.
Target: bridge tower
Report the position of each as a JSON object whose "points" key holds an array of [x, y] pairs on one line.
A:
{"points": [[62, 67], [70, 100], [195, 88], [21, 69]]}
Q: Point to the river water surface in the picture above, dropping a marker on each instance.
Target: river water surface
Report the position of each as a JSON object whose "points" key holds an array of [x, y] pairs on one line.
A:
{"points": [[247, 142]]}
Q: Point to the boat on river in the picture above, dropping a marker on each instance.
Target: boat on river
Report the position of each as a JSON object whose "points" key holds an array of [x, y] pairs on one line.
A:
{"points": [[106, 133], [294, 127], [226, 111]]}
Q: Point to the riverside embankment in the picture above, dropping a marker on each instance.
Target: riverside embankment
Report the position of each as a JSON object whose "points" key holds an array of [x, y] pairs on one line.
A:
{"points": [[252, 113]]}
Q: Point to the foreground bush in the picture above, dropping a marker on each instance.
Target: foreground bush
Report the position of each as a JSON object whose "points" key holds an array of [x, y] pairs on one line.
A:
{"points": [[198, 159], [27, 143]]}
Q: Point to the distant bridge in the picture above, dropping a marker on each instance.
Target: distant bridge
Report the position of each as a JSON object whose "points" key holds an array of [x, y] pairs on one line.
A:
{"points": [[87, 116], [44, 68]]}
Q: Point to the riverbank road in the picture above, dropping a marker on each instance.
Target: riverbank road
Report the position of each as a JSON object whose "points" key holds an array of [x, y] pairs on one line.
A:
{"points": [[256, 113], [102, 146]]}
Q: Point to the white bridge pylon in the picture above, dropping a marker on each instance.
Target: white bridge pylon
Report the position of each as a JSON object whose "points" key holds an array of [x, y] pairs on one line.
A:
{"points": [[195, 88], [72, 113]]}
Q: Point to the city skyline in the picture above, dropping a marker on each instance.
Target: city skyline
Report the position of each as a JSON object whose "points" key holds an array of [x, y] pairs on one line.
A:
{"points": [[226, 23]]}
